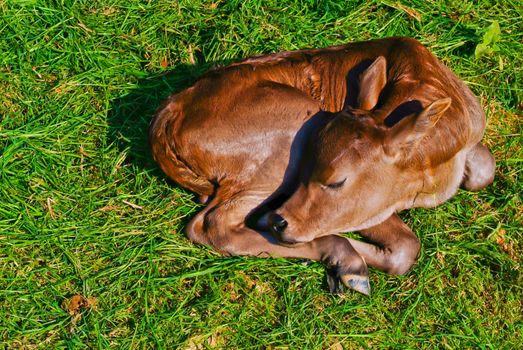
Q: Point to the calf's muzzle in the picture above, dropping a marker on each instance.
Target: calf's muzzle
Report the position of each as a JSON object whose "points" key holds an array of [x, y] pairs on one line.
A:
{"points": [[278, 225]]}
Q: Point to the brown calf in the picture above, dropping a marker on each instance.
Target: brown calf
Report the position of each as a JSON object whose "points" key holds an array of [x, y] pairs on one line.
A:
{"points": [[291, 149]]}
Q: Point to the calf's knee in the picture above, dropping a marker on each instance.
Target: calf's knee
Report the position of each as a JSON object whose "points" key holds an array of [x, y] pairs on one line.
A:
{"points": [[403, 256], [480, 167]]}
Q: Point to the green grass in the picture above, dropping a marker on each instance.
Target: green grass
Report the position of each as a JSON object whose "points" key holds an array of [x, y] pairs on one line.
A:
{"points": [[85, 211]]}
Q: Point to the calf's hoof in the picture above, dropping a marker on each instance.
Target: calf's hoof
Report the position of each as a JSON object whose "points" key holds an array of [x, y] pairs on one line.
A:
{"points": [[338, 277]]}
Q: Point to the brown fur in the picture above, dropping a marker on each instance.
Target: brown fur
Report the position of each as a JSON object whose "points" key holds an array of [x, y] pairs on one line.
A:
{"points": [[273, 137]]}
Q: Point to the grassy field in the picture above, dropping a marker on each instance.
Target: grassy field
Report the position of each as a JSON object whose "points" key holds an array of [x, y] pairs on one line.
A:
{"points": [[92, 250]]}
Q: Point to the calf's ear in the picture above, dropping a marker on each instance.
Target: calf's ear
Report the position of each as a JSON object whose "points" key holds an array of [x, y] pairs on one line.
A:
{"points": [[406, 134], [372, 81]]}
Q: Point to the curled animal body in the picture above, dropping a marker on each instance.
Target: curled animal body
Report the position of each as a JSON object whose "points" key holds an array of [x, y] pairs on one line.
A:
{"points": [[289, 150]]}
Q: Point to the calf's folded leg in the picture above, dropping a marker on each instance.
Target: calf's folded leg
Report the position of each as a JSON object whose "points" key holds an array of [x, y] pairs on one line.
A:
{"points": [[222, 226], [396, 246]]}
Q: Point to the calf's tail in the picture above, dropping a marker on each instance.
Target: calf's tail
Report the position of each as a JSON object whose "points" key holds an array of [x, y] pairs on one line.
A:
{"points": [[162, 133]]}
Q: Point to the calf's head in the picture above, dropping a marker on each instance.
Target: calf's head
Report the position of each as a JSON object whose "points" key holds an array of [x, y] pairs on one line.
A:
{"points": [[358, 172]]}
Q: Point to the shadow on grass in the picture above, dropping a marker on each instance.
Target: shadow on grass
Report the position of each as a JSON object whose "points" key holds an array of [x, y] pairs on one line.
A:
{"points": [[131, 114]]}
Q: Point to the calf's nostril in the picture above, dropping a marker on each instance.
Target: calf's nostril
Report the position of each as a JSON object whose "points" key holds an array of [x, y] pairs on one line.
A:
{"points": [[278, 223]]}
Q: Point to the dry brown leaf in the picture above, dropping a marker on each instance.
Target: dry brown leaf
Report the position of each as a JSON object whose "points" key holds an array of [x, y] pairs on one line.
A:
{"points": [[108, 11], [336, 346], [84, 27], [132, 205], [74, 304], [507, 247], [107, 208], [409, 11], [49, 207], [191, 55]]}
